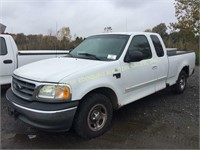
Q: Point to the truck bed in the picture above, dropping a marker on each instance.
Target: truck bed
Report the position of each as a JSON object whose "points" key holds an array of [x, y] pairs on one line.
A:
{"points": [[175, 52], [177, 60], [42, 52], [25, 57]]}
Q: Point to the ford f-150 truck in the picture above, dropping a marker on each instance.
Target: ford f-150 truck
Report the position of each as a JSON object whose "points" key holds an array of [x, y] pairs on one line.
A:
{"points": [[11, 58], [102, 74]]}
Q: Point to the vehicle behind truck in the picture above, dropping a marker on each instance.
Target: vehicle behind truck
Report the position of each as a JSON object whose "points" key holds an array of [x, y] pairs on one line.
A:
{"points": [[11, 58], [102, 74]]}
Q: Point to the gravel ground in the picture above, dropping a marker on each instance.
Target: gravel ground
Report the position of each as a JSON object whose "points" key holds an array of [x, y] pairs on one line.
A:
{"points": [[160, 121]]}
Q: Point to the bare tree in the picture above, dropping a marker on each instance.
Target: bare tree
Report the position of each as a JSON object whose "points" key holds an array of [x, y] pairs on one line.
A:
{"points": [[107, 29]]}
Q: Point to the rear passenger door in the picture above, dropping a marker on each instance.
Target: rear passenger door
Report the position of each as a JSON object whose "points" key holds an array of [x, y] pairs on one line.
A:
{"points": [[161, 62], [6, 61]]}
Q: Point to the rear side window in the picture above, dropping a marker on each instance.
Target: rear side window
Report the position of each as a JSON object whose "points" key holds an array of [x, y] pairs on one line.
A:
{"points": [[157, 45], [3, 48], [140, 43]]}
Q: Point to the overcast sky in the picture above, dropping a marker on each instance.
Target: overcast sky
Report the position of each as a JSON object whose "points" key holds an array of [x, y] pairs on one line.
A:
{"points": [[84, 17]]}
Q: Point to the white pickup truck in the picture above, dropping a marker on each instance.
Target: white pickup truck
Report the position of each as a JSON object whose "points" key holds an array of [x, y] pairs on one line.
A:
{"points": [[11, 58], [102, 74]]}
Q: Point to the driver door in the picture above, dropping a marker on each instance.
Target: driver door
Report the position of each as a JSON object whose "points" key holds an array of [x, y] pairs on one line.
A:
{"points": [[139, 78]]}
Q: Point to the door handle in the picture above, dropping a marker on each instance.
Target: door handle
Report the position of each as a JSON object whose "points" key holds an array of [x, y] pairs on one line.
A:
{"points": [[8, 61], [117, 75], [154, 67]]}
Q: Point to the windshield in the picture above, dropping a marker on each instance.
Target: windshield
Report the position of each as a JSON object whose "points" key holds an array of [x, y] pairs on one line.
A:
{"points": [[101, 47]]}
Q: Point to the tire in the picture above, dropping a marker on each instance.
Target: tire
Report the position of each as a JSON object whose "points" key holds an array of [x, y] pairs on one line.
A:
{"points": [[93, 116], [181, 83]]}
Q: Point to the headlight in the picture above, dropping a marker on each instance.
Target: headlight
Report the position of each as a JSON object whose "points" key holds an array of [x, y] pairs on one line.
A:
{"points": [[60, 92]]}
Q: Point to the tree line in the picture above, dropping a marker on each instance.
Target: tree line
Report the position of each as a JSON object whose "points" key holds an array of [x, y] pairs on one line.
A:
{"points": [[44, 42]]}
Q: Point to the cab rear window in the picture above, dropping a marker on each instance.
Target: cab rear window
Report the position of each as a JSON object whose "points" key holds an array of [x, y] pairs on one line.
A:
{"points": [[3, 48], [157, 45]]}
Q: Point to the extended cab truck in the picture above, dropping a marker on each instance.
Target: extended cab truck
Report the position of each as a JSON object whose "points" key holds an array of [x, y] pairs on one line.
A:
{"points": [[11, 58], [104, 73]]}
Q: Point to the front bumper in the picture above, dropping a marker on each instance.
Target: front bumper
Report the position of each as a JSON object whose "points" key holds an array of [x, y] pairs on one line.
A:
{"points": [[47, 116]]}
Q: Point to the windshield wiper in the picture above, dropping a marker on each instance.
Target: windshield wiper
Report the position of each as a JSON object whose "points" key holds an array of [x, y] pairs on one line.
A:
{"points": [[90, 55]]}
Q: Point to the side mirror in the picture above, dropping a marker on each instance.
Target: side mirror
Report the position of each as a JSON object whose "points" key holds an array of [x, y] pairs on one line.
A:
{"points": [[134, 56]]}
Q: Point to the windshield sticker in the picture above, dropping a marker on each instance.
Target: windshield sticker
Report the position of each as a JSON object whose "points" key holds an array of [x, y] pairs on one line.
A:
{"points": [[112, 56]]}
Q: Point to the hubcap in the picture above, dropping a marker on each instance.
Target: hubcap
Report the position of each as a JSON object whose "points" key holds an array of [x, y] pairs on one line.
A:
{"points": [[97, 117], [182, 82]]}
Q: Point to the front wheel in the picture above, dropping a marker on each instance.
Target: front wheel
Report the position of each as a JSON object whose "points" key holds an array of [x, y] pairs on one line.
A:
{"points": [[181, 83], [94, 116]]}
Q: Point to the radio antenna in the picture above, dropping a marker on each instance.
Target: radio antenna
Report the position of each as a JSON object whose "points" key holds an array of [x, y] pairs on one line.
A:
{"points": [[126, 23], [56, 39]]}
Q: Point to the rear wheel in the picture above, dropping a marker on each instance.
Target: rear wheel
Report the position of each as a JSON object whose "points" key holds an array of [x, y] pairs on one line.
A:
{"points": [[181, 83], [94, 116]]}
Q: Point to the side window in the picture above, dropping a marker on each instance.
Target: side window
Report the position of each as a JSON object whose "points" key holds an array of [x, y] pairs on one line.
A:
{"points": [[3, 48], [157, 45], [140, 43]]}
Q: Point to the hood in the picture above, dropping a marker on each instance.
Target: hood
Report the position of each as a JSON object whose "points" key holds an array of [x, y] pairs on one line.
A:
{"points": [[54, 69]]}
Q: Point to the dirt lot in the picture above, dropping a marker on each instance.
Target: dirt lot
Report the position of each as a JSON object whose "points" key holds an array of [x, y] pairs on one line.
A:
{"points": [[162, 120]]}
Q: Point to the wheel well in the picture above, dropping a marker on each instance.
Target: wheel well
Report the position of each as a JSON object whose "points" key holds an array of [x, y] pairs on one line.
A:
{"points": [[107, 92], [186, 69]]}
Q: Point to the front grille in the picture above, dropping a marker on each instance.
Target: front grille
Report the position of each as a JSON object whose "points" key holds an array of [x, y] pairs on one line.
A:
{"points": [[23, 88]]}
